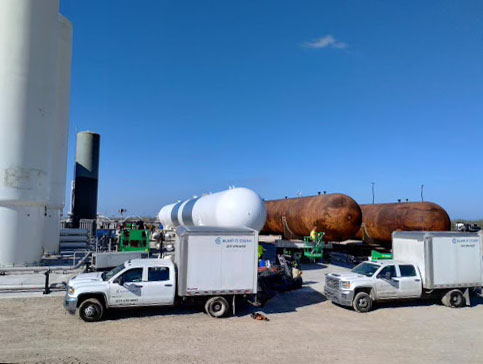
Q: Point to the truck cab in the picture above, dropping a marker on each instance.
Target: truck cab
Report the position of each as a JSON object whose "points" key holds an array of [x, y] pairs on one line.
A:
{"points": [[138, 282], [374, 281]]}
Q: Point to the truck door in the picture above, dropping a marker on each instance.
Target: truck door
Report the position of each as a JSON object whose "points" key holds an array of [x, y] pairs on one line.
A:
{"points": [[386, 287], [127, 289], [159, 288], [409, 281]]}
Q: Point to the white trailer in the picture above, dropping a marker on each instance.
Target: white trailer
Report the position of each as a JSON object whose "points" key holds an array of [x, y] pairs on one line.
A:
{"points": [[211, 265]]}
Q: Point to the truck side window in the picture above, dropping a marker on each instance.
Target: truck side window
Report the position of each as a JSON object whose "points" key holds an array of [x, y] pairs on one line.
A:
{"points": [[407, 270], [158, 274], [133, 275], [389, 269]]}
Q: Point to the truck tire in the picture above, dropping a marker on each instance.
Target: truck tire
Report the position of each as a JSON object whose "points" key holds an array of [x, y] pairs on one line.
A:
{"points": [[362, 302], [454, 298], [297, 282], [91, 310], [217, 307]]}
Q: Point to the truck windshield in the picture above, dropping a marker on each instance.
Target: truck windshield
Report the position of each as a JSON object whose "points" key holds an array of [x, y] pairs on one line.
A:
{"points": [[367, 269], [108, 275]]}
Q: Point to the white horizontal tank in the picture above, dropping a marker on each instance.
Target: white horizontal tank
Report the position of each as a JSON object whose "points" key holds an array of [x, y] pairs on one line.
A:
{"points": [[165, 216], [235, 207]]}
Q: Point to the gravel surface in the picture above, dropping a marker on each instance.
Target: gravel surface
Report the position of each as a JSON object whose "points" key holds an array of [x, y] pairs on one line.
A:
{"points": [[303, 328]]}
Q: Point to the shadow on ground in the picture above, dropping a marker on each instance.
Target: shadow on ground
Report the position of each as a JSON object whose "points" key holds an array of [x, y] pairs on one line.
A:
{"points": [[126, 313], [475, 301], [286, 302], [314, 266], [281, 303]]}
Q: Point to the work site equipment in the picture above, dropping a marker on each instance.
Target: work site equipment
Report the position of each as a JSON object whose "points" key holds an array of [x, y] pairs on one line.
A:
{"points": [[375, 255], [379, 221], [103, 260], [278, 278], [231, 208], [313, 250], [134, 240], [337, 215]]}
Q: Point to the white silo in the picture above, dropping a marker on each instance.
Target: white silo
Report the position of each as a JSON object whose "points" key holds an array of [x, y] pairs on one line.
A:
{"points": [[58, 166], [28, 48]]}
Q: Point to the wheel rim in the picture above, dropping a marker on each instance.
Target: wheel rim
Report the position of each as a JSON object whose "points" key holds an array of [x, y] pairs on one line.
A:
{"points": [[363, 303], [90, 311], [455, 299], [217, 307]]}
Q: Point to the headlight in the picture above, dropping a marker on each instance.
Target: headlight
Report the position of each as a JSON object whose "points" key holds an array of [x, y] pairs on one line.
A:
{"points": [[345, 284], [70, 290]]}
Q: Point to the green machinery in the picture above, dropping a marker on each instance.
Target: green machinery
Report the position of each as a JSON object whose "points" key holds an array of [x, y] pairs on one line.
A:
{"points": [[313, 250], [133, 240], [375, 255]]}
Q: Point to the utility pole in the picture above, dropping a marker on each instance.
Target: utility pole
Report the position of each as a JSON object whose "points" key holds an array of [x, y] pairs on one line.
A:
{"points": [[373, 183], [422, 187]]}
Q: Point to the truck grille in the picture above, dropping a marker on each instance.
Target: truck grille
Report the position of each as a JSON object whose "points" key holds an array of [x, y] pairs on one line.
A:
{"points": [[332, 283]]}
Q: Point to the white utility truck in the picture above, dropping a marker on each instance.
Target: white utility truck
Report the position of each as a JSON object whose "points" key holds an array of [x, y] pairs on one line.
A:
{"points": [[443, 265], [211, 265]]}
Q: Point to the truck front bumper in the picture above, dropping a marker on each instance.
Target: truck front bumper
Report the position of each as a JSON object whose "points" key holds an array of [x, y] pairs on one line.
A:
{"points": [[70, 304], [340, 296]]}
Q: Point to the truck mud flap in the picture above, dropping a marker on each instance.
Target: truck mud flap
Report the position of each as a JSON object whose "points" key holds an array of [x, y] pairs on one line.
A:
{"points": [[466, 295]]}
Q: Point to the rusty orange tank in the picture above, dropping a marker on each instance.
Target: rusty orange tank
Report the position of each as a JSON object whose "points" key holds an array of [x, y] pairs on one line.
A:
{"points": [[337, 215], [380, 220]]}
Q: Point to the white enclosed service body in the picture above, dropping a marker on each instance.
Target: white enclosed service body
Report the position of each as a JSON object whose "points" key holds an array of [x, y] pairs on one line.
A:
{"points": [[445, 259], [216, 261]]}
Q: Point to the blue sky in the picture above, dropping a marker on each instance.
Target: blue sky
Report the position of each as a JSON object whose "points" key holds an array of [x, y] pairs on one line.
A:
{"points": [[281, 97]]}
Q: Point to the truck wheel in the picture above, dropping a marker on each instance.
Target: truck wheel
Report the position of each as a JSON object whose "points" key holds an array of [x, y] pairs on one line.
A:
{"points": [[91, 310], [453, 298], [362, 302], [297, 282], [216, 307]]}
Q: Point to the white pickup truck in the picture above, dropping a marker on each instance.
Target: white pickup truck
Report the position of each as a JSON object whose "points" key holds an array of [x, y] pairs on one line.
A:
{"points": [[211, 265], [444, 265]]}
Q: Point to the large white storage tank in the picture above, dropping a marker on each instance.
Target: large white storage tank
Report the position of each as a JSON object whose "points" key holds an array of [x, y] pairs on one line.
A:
{"points": [[58, 167], [235, 207], [28, 41]]}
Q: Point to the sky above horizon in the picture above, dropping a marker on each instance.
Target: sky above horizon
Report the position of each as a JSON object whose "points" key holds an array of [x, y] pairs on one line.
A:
{"points": [[283, 97]]}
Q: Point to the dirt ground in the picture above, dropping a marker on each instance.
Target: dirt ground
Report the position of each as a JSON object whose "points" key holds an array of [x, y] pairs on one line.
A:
{"points": [[303, 328]]}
